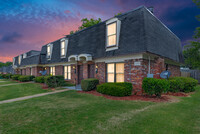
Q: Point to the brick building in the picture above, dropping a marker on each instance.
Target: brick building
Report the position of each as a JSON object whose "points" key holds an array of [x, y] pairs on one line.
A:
{"points": [[126, 48]]}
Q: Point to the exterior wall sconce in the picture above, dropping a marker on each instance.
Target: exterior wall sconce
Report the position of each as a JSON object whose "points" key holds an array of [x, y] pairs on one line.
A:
{"points": [[74, 68], [96, 70]]}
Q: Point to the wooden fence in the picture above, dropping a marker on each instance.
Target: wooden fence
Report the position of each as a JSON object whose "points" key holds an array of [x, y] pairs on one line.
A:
{"points": [[191, 73]]}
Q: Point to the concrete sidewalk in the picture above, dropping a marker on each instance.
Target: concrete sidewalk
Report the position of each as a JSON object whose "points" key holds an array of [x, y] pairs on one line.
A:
{"points": [[14, 84], [32, 96]]}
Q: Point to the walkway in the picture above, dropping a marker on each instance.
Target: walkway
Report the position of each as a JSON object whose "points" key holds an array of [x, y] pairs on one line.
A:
{"points": [[14, 84], [32, 96]]}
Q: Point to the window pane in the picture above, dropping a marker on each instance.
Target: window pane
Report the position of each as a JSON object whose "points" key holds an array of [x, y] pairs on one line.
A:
{"points": [[65, 75], [110, 77], [111, 29], [110, 68], [69, 76], [62, 51], [48, 49], [119, 77], [69, 69], [120, 68], [111, 40], [62, 44]]}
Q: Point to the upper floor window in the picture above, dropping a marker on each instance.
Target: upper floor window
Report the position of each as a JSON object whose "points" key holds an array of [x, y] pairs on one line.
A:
{"points": [[63, 48], [49, 50], [24, 55], [113, 27], [19, 59], [111, 34]]}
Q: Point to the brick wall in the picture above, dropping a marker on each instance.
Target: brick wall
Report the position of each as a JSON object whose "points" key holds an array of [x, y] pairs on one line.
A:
{"points": [[28, 72], [175, 70], [101, 75], [59, 70], [85, 70]]}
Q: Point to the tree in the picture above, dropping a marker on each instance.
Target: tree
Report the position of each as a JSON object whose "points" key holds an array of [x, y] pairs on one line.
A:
{"points": [[192, 51], [118, 14], [5, 64], [87, 23]]}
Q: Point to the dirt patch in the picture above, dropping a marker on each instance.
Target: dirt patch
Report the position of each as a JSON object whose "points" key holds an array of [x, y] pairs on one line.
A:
{"points": [[164, 98], [45, 87]]}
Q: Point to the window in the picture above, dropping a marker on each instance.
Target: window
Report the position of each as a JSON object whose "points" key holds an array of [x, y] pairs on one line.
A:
{"points": [[63, 48], [67, 72], [19, 59], [112, 34], [52, 71], [24, 55], [31, 71], [48, 51], [115, 72]]}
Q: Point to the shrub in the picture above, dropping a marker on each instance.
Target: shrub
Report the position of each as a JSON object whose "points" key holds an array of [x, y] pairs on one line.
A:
{"points": [[115, 89], [55, 81], [89, 84], [39, 79], [26, 78], [152, 86], [184, 84], [16, 77], [7, 76]]}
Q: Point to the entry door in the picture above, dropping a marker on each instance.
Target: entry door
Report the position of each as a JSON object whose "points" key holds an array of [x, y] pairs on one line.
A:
{"points": [[91, 69], [80, 73]]}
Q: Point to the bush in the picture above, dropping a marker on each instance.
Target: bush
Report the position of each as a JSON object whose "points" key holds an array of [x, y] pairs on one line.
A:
{"points": [[89, 84], [7, 76], [26, 78], [16, 77], [39, 79], [55, 81], [152, 86], [183, 84], [115, 89]]}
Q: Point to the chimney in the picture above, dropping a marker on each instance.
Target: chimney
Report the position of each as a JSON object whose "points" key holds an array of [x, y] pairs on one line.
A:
{"points": [[151, 9]]}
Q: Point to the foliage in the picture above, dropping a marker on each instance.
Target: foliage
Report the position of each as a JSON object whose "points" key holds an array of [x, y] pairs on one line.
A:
{"points": [[182, 84], [39, 79], [115, 89], [5, 64], [192, 51], [8, 76], [16, 77], [87, 23], [26, 78], [89, 84], [55, 81], [152, 86], [118, 14]]}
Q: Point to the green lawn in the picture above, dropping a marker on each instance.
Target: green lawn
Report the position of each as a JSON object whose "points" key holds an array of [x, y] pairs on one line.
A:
{"points": [[72, 112], [4, 82], [19, 90]]}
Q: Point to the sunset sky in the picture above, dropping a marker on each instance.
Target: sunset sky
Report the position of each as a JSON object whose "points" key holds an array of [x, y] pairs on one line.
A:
{"points": [[28, 24]]}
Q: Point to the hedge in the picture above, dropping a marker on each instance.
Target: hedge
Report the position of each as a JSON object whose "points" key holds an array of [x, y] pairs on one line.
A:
{"points": [[152, 86], [26, 78], [39, 79], [89, 84], [55, 81], [116, 89], [182, 84], [15, 77]]}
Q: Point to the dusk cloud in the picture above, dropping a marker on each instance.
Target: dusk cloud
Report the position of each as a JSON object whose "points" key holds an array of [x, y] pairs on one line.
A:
{"points": [[29, 24]]}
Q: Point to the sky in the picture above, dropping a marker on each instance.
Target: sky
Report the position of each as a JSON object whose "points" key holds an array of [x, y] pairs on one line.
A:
{"points": [[29, 24]]}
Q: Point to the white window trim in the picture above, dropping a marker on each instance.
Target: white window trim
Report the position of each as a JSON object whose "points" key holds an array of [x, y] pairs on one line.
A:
{"points": [[24, 55], [110, 48], [66, 46], [13, 61], [51, 49]]}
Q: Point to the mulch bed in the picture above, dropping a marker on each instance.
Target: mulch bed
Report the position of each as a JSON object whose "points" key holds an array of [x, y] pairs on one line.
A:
{"points": [[180, 94], [164, 98]]}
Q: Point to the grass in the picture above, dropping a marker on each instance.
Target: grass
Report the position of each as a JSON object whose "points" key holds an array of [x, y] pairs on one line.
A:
{"points": [[72, 112], [19, 90], [5, 81]]}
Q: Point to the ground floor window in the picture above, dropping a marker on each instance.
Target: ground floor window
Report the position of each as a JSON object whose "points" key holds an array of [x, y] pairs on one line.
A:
{"points": [[52, 71], [31, 71], [115, 72], [67, 72]]}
